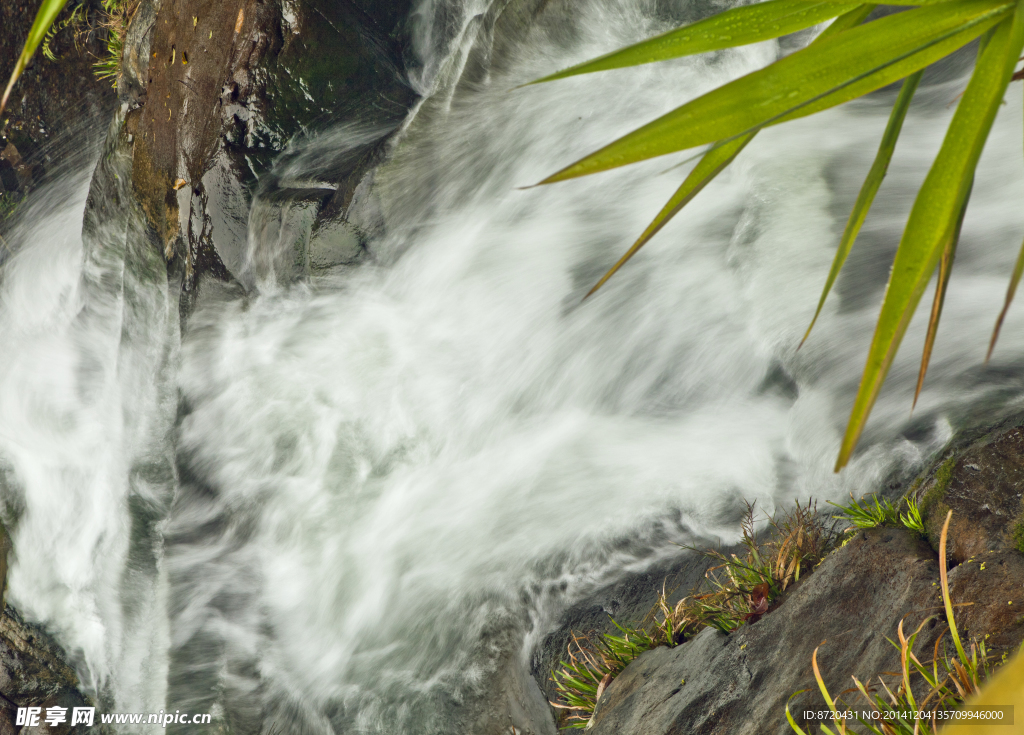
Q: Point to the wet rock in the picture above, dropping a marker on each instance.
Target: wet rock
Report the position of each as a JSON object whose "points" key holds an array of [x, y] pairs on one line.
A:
{"points": [[740, 683], [628, 600], [983, 484], [195, 48], [988, 592], [334, 243], [34, 672], [222, 88]]}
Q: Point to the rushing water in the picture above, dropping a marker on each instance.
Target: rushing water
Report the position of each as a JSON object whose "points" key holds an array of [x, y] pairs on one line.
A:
{"points": [[355, 502]]}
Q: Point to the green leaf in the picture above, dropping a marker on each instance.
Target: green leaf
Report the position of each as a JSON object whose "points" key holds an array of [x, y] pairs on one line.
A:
{"points": [[848, 20], [935, 211], [713, 162], [48, 12], [736, 27], [945, 268], [843, 67], [717, 158], [1018, 268], [869, 189], [789, 716]]}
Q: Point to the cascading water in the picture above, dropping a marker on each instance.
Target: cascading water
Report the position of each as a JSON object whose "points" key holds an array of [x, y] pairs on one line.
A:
{"points": [[384, 483]]}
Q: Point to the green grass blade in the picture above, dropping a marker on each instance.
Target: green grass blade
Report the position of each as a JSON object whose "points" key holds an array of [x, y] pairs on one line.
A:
{"points": [[1018, 268], [789, 716], [934, 212], [713, 162], [842, 67], [947, 602], [869, 189], [48, 12], [736, 27], [945, 268], [846, 21]]}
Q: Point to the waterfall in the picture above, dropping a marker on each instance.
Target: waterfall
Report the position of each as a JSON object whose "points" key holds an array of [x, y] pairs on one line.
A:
{"points": [[352, 502]]}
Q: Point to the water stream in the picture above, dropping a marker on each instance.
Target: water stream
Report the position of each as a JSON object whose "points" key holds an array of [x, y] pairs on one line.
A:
{"points": [[353, 503]]}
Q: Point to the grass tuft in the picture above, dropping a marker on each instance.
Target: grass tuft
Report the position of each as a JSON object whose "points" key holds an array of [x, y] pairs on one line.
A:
{"points": [[741, 588], [738, 590], [113, 21], [875, 513], [947, 680], [118, 15], [592, 665]]}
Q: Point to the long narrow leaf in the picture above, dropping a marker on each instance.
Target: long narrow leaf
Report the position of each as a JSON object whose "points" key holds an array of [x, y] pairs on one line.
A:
{"points": [[935, 211], [824, 691], [789, 715], [47, 13], [841, 68], [846, 21], [736, 27], [947, 602], [715, 160], [1018, 268], [945, 268], [869, 189]]}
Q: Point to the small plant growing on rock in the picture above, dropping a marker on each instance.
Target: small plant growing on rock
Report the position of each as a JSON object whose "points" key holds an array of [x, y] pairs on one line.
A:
{"points": [[591, 666], [113, 22], [741, 589], [737, 590], [948, 681], [117, 15], [876, 514]]}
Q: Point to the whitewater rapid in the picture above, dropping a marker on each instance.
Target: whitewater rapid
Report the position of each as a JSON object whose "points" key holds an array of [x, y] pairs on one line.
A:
{"points": [[350, 503]]}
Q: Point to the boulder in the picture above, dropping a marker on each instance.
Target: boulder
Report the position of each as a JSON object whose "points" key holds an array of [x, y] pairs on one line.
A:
{"points": [[854, 600], [218, 90], [740, 683]]}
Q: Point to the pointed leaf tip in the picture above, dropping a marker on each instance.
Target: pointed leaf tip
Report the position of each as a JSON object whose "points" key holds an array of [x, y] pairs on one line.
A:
{"points": [[711, 164], [1018, 268], [945, 268], [868, 190], [935, 211], [47, 13]]}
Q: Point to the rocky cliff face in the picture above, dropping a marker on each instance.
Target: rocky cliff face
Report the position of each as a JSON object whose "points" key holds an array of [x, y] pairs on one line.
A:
{"points": [[215, 91]]}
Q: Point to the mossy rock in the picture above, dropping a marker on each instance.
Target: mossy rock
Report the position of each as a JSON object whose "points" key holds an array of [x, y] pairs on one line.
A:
{"points": [[982, 482]]}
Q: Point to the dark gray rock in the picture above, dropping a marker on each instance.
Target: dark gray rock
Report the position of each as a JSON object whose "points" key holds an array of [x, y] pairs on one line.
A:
{"points": [[740, 683], [982, 482], [988, 590], [629, 600]]}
